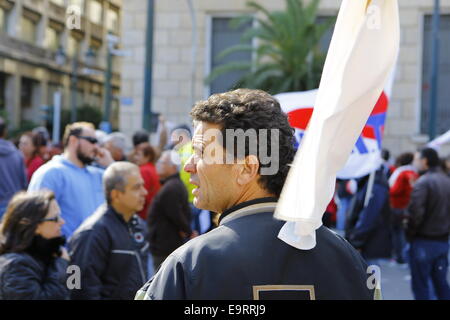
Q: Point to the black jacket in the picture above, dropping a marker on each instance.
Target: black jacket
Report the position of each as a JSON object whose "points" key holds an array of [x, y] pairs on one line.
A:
{"points": [[23, 277], [244, 259], [111, 254], [168, 215], [429, 209], [368, 228]]}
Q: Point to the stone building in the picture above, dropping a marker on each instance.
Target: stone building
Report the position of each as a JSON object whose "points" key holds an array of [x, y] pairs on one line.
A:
{"points": [[407, 124], [33, 32]]}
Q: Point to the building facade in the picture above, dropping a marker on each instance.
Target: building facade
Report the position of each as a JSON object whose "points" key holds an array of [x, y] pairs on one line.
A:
{"points": [[175, 62], [49, 46]]}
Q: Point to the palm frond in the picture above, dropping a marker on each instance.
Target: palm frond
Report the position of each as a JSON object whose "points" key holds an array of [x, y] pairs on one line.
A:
{"points": [[287, 56]]}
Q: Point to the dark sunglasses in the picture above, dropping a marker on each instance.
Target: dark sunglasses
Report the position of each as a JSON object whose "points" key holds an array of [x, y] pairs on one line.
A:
{"points": [[54, 219], [88, 139]]}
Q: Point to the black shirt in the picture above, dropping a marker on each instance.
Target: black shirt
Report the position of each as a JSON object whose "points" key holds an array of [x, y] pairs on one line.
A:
{"points": [[168, 217], [244, 259]]}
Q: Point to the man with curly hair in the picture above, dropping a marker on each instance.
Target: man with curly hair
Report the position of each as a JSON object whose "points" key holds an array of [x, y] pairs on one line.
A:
{"points": [[243, 146]]}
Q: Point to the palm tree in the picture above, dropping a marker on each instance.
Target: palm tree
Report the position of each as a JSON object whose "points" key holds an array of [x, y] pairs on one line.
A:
{"points": [[287, 57]]}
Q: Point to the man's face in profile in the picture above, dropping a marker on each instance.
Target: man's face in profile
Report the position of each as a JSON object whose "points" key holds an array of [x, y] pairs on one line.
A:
{"points": [[214, 180]]}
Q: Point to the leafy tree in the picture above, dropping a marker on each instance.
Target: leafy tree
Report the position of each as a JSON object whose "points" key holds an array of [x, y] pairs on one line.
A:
{"points": [[287, 57]]}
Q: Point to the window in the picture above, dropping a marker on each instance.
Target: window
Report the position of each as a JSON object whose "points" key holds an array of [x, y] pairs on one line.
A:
{"points": [[77, 3], [443, 104], [27, 92], [73, 47], [28, 30], [325, 41], [222, 37], [112, 21], [95, 11], [52, 39], [92, 57]]}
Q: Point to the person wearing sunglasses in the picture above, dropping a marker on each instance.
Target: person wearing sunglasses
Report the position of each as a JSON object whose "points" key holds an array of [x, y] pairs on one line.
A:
{"points": [[33, 262], [76, 183]]}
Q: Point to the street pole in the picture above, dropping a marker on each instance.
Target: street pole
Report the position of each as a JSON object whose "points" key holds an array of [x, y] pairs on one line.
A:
{"points": [[147, 103], [193, 52], [73, 103], [56, 116], [434, 71], [106, 125]]}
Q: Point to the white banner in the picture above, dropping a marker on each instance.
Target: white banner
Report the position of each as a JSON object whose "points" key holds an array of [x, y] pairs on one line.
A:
{"points": [[362, 54]]}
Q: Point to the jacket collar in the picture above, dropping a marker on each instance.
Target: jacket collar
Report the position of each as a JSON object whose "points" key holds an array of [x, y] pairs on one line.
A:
{"points": [[118, 216], [175, 175], [246, 208]]}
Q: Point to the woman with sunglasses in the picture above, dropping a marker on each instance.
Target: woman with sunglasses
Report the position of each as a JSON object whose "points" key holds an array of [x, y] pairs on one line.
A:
{"points": [[32, 261]]}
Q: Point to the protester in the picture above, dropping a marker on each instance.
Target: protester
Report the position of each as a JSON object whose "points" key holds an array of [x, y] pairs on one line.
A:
{"points": [[110, 246], [368, 226], [329, 217], [29, 146], [101, 136], [428, 228], [388, 168], [43, 142], [243, 257], [400, 187], [76, 184], [116, 143], [33, 262], [344, 195], [13, 176], [169, 216], [181, 142], [145, 159]]}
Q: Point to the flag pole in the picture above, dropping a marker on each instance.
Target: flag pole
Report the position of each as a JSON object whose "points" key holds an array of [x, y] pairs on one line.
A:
{"points": [[369, 188]]}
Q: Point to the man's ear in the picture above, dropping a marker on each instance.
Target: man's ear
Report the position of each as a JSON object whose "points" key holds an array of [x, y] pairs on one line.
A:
{"points": [[248, 170], [114, 194], [71, 140]]}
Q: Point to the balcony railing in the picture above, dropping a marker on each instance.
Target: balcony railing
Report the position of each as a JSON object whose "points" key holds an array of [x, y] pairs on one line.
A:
{"points": [[57, 12], [36, 5]]}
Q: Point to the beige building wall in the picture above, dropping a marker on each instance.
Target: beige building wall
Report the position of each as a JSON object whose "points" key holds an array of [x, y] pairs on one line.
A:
{"points": [[19, 58], [172, 61]]}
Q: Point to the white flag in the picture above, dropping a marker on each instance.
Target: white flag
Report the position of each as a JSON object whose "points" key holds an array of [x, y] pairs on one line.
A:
{"points": [[362, 53], [439, 141]]}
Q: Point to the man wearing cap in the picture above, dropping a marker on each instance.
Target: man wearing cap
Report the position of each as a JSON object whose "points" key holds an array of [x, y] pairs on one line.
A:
{"points": [[243, 258]]}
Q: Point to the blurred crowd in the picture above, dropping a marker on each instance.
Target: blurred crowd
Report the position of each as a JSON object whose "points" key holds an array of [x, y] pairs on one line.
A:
{"points": [[400, 212], [113, 208]]}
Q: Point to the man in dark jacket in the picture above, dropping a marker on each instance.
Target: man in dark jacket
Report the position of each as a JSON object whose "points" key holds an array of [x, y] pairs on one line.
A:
{"points": [[12, 170], [170, 215], [368, 226], [110, 246], [243, 258], [429, 227]]}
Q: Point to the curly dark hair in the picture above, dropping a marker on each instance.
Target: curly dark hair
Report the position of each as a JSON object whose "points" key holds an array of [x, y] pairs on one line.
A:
{"points": [[251, 109]]}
